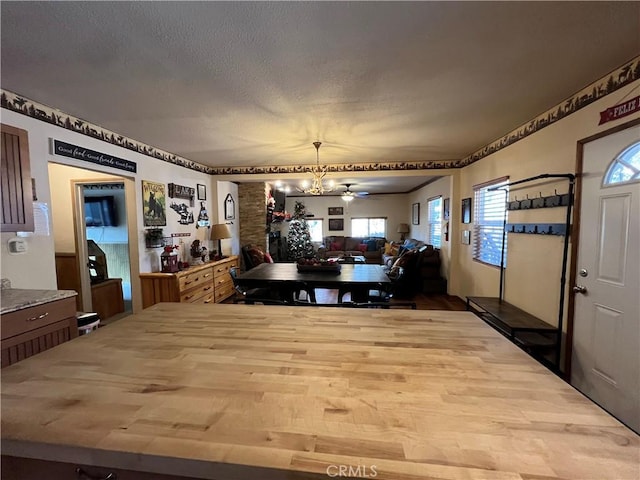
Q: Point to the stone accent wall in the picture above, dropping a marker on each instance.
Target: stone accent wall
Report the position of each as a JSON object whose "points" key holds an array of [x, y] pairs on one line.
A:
{"points": [[253, 214]]}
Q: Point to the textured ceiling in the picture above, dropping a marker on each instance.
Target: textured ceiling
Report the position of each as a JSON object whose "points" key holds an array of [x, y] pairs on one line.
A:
{"points": [[255, 83]]}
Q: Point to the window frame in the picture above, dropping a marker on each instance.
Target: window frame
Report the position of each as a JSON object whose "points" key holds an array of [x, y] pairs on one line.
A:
{"points": [[621, 159], [437, 222], [384, 233], [478, 224]]}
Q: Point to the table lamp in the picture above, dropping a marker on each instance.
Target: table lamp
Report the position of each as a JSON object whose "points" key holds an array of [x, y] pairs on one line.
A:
{"points": [[218, 232], [403, 228]]}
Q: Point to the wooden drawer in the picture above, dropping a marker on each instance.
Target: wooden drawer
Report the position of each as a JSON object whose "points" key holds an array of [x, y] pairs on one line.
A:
{"points": [[208, 298], [31, 318], [192, 295], [224, 290], [223, 269], [193, 279]]}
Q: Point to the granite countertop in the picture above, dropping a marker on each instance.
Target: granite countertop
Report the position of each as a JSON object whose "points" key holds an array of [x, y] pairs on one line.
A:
{"points": [[12, 299]]}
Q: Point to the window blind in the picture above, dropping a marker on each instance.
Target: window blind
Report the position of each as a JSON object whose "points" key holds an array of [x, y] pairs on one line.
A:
{"points": [[434, 219], [490, 211]]}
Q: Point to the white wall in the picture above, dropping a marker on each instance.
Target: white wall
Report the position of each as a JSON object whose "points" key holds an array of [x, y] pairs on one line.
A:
{"points": [[443, 188], [394, 207], [36, 268], [534, 261]]}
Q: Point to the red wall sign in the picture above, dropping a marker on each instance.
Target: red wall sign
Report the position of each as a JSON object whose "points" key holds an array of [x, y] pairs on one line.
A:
{"points": [[619, 111]]}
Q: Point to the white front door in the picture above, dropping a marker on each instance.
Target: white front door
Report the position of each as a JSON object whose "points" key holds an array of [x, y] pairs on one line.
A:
{"points": [[606, 337]]}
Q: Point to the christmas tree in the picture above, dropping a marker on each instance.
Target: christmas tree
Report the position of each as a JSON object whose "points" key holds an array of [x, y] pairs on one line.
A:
{"points": [[299, 239]]}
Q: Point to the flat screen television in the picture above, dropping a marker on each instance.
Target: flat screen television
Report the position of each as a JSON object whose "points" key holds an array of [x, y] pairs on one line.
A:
{"points": [[100, 212]]}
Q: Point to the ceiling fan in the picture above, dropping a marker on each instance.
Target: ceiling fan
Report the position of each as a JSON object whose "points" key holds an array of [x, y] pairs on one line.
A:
{"points": [[349, 195]]}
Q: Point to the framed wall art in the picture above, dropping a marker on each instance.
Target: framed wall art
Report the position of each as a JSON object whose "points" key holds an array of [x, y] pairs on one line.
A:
{"points": [[336, 211], [445, 209], [336, 224], [466, 210], [202, 191], [153, 204], [415, 214]]}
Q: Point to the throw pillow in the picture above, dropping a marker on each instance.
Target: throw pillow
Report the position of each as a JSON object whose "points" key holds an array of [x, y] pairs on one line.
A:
{"points": [[387, 248], [395, 250], [351, 244], [362, 247], [256, 255], [372, 245], [334, 247]]}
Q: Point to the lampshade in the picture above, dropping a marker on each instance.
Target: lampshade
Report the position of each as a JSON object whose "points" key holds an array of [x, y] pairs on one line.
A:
{"points": [[221, 230], [218, 232], [403, 228]]}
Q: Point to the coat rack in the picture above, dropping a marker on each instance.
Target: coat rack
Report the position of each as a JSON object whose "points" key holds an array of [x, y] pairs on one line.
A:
{"points": [[557, 200]]}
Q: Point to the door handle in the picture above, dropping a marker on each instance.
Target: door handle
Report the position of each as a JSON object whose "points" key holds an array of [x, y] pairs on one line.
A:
{"points": [[580, 289]]}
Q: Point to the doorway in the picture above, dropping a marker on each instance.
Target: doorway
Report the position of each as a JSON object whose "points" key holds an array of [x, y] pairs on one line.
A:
{"points": [[106, 234], [605, 365], [96, 245]]}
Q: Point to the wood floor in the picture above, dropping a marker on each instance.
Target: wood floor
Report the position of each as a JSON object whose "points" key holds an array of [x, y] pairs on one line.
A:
{"points": [[423, 301]]}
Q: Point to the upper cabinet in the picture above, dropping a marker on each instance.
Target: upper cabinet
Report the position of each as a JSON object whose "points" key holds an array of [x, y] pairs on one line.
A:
{"points": [[15, 176]]}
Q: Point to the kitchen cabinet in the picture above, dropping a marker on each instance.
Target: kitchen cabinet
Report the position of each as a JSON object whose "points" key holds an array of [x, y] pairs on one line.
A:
{"points": [[31, 330], [15, 177]]}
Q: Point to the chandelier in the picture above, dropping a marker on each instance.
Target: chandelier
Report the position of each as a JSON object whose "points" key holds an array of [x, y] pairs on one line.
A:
{"points": [[317, 185]]}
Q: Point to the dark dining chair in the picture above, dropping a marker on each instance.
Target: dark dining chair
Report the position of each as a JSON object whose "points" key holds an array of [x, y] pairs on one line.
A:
{"points": [[251, 295], [397, 281]]}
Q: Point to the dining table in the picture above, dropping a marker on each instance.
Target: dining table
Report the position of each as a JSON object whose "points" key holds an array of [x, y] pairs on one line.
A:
{"points": [[355, 278]]}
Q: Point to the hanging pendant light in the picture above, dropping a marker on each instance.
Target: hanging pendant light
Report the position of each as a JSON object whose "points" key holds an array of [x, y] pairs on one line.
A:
{"points": [[317, 186]]}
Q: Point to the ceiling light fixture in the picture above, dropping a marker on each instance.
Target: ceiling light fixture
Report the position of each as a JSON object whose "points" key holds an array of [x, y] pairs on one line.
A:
{"points": [[348, 195], [317, 186]]}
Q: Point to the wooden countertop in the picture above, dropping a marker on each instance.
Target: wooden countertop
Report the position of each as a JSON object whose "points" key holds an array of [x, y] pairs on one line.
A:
{"points": [[13, 299], [251, 391]]}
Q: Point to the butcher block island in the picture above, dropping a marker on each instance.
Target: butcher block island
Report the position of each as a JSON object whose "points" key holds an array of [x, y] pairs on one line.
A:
{"points": [[231, 392]]}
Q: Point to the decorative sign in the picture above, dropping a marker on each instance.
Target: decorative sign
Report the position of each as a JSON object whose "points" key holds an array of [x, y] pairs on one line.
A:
{"points": [[180, 234], [179, 191], [186, 217], [229, 208], [153, 204], [81, 153], [203, 217], [619, 111]]}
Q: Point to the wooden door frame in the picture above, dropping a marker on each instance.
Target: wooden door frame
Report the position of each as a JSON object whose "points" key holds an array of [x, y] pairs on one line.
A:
{"points": [[80, 236], [575, 234]]}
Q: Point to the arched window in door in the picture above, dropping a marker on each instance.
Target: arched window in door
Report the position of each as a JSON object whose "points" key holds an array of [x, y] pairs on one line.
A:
{"points": [[625, 168]]}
